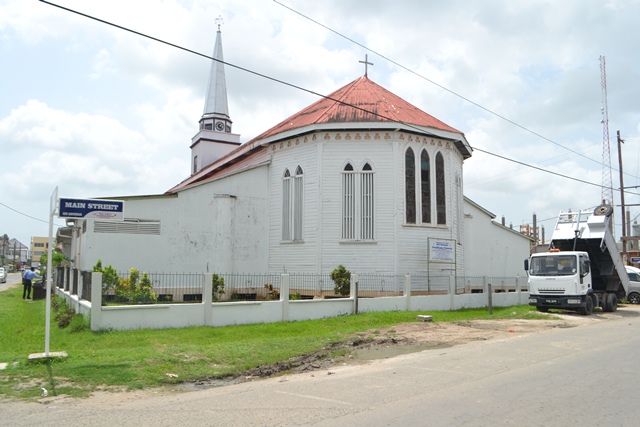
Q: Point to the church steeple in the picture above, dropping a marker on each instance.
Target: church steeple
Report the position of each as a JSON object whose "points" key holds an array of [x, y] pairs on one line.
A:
{"points": [[214, 139], [216, 108]]}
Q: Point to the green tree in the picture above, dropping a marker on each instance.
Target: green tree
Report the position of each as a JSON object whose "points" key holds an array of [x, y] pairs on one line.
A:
{"points": [[57, 259], [342, 279]]}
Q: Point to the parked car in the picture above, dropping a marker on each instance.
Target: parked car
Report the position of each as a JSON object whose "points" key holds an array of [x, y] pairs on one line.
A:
{"points": [[634, 285], [3, 275]]}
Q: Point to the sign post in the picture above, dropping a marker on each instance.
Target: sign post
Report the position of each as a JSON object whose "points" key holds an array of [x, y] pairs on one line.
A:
{"points": [[75, 209]]}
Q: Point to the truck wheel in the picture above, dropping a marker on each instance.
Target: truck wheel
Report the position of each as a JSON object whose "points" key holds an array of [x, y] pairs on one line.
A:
{"points": [[613, 302], [634, 298], [588, 307]]}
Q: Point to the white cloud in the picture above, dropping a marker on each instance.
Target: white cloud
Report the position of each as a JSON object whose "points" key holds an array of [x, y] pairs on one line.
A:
{"points": [[111, 109]]}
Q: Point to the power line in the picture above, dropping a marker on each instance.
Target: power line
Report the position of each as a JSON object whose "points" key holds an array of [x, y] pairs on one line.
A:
{"points": [[435, 83], [333, 99], [24, 214]]}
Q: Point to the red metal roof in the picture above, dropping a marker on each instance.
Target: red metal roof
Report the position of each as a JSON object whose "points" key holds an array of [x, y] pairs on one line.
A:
{"points": [[360, 101]]}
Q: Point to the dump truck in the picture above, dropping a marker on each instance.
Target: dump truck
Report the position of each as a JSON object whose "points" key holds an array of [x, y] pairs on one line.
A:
{"points": [[582, 268]]}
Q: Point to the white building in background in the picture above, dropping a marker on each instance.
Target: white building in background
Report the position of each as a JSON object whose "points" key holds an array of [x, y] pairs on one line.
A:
{"points": [[360, 178]]}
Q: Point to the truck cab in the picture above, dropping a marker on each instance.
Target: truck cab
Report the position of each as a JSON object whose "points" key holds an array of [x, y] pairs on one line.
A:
{"points": [[560, 280]]}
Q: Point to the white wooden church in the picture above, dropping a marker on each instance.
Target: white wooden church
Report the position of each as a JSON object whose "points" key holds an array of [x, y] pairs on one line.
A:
{"points": [[360, 178]]}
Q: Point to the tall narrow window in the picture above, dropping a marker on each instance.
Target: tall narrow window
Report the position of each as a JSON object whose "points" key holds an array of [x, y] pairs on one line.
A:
{"points": [[348, 203], [441, 205], [298, 195], [366, 196], [286, 205], [195, 164], [410, 186], [425, 187]]}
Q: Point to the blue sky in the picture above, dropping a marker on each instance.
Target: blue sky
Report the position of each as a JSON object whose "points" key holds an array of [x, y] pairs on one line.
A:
{"points": [[100, 112]]}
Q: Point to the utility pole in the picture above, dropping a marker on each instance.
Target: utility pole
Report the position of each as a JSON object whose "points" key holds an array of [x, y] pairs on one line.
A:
{"points": [[624, 218]]}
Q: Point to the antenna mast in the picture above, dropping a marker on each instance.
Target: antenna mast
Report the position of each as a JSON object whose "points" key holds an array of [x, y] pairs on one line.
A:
{"points": [[607, 182]]}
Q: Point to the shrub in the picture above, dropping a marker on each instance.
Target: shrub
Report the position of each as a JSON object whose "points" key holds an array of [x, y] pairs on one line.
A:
{"points": [[63, 313], [110, 278], [342, 279], [136, 290], [217, 285]]}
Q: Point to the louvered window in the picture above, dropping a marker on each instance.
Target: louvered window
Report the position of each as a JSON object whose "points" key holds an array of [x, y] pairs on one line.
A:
{"points": [[298, 196], [292, 205], [286, 205], [348, 203], [128, 226], [366, 195], [357, 203]]}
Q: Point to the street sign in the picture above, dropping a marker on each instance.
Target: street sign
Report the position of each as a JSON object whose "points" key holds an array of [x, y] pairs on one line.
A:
{"points": [[635, 260], [91, 209]]}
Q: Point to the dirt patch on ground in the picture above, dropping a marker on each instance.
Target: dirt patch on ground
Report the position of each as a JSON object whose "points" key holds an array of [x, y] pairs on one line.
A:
{"points": [[409, 337]]}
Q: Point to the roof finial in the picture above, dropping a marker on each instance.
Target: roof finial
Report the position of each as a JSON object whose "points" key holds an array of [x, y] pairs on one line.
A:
{"points": [[219, 21], [366, 64]]}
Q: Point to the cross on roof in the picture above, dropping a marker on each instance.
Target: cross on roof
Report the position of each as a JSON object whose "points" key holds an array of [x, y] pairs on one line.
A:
{"points": [[218, 21], [366, 64]]}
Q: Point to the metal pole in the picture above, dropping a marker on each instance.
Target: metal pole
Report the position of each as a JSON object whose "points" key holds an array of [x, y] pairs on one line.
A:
{"points": [[624, 219], [47, 326]]}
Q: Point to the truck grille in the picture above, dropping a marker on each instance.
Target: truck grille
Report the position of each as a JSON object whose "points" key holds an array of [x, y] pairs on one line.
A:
{"points": [[551, 291]]}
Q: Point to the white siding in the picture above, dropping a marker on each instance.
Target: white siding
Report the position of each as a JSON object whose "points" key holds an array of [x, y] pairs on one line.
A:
{"points": [[492, 249], [219, 226]]}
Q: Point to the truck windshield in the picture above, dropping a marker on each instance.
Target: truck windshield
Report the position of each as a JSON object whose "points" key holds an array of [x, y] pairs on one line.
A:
{"points": [[553, 265]]}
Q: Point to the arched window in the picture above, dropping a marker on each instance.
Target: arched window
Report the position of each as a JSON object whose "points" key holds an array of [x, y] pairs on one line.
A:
{"points": [[292, 205], [348, 203], [286, 205], [425, 187], [441, 205], [410, 186], [298, 196], [357, 203], [366, 202]]}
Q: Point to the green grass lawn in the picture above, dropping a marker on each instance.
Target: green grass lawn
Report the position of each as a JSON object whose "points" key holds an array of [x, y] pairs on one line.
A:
{"points": [[143, 358]]}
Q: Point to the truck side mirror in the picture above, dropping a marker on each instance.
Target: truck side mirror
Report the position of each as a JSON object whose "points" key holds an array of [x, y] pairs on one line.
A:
{"points": [[526, 264]]}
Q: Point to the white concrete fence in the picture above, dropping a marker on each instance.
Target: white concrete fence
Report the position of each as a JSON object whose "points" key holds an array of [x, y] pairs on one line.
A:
{"points": [[209, 313]]}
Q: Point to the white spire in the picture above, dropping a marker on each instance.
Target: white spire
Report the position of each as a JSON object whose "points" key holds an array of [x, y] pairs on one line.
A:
{"points": [[214, 139], [216, 105]]}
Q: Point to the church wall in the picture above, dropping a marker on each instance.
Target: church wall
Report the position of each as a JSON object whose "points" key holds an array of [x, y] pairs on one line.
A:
{"points": [[396, 248], [492, 249], [361, 256], [413, 240], [216, 227], [299, 256]]}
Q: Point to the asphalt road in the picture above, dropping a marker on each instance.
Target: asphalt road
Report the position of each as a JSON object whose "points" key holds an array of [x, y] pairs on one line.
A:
{"points": [[12, 279], [583, 376]]}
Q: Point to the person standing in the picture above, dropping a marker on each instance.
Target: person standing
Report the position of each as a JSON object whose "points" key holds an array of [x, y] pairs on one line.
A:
{"points": [[29, 275]]}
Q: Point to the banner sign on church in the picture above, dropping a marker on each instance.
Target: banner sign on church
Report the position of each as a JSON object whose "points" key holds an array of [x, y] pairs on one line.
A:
{"points": [[442, 250], [91, 209]]}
